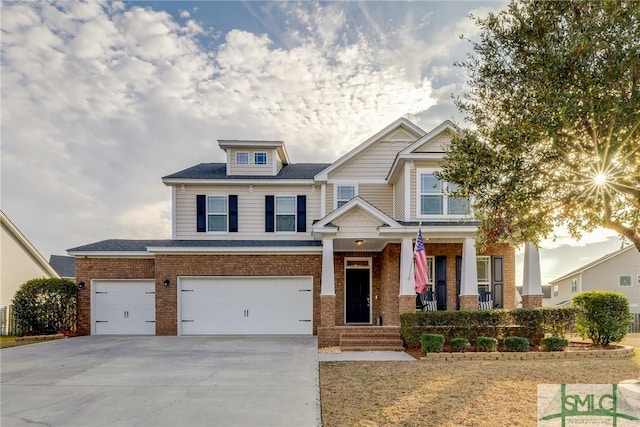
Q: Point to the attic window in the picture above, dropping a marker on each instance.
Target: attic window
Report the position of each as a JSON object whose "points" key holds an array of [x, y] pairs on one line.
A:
{"points": [[242, 158], [260, 159]]}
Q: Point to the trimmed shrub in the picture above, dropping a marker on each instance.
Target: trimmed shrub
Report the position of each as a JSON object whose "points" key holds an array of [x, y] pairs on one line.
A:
{"points": [[559, 321], [605, 316], [487, 344], [555, 343], [458, 344], [516, 344], [431, 343], [532, 322], [46, 306]]}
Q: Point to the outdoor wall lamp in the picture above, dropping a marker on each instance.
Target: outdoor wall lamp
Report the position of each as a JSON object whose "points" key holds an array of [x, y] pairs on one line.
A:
{"points": [[81, 285], [359, 242], [166, 283]]}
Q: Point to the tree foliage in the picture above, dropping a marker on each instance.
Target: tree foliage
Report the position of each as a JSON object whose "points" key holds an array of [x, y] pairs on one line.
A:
{"points": [[46, 306], [554, 107]]}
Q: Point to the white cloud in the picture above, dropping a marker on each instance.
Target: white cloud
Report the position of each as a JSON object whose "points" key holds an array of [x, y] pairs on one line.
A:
{"points": [[100, 100]]}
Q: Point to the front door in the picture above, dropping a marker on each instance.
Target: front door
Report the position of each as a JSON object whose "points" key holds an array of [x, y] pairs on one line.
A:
{"points": [[358, 296]]}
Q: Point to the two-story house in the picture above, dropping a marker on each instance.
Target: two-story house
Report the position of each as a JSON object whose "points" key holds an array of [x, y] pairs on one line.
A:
{"points": [[262, 245], [617, 271]]}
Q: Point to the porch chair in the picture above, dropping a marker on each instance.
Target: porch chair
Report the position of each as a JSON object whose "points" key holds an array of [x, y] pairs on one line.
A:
{"points": [[428, 302], [485, 302]]}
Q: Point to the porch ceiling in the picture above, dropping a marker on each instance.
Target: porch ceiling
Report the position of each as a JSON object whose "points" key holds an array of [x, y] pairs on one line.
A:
{"points": [[377, 245]]}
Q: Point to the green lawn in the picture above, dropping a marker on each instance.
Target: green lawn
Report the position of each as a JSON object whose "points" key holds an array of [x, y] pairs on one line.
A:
{"points": [[7, 341]]}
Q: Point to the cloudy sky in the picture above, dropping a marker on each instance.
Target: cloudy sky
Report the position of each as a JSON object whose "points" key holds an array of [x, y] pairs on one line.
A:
{"points": [[100, 100]]}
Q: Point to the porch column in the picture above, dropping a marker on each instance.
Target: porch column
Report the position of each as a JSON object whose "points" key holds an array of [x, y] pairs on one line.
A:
{"points": [[327, 285], [407, 297], [531, 283], [469, 276]]}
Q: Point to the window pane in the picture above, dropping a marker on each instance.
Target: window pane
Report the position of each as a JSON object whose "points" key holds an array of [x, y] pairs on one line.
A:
{"points": [[483, 269], [242, 158], [217, 223], [260, 158], [346, 192], [285, 223], [458, 206], [429, 183], [217, 204], [341, 203], [431, 205], [285, 205]]}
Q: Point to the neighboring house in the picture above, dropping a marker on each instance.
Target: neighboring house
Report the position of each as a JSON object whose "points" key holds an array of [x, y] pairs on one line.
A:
{"points": [[20, 261], [546, 296], [65, 266], [618, 271], [261, 245]]}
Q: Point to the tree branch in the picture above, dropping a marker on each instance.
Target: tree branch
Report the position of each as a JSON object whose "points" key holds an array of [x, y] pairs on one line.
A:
{"points": [[608, 222]]}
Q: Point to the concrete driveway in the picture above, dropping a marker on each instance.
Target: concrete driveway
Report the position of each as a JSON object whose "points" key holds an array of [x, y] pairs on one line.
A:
{"points": [[162, 381]]}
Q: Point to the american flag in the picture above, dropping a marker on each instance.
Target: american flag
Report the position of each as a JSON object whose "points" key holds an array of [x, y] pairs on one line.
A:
{"points": [[420, 273]]}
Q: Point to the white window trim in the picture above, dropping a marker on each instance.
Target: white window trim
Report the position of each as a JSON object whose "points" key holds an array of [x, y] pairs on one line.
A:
{"points": [[343, 184], [488, 282], [242, 152], [630, 276], [266, 158], [445, 197], [275, 214], [574, 286], [556, 290], [226, 223]]}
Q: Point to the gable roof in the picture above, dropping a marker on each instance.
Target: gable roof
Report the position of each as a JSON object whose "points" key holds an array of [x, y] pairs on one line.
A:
{"points": [[26, 245], [218, 171], [401, 122], [408, 152], [593, 264], [354, 203]]}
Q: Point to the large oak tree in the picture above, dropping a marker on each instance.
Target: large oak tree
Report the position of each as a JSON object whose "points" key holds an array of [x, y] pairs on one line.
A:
{"points": [[554, 112]]}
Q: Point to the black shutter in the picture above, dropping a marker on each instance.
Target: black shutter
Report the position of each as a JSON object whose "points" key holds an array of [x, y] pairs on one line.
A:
{"points": [[201, 213], [269, 214], [302, 214], [498, 282], [233, 213]]}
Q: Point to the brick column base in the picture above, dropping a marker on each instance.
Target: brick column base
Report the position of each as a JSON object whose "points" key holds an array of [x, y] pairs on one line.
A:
{"points": [[406, 304], [531, 301], [327, 310], [468, 302]]}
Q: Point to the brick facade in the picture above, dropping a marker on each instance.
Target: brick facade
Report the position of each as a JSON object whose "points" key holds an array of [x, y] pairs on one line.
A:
{"points": [[88, 269], [328, 311]]}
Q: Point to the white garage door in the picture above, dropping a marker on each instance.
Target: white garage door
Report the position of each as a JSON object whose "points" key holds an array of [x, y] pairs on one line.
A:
{"points": [[246, 305], [124, 307]]}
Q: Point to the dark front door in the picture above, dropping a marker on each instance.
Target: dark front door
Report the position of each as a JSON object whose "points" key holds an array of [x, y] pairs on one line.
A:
{"points": [[441, 281], [357, 296]]}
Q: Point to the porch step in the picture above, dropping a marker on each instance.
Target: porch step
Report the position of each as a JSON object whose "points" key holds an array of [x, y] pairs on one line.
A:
{"points": [[371, 338]]}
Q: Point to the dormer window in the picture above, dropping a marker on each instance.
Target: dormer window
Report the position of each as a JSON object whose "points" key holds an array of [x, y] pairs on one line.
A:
{"points": [[260, 159], [242, 158]]}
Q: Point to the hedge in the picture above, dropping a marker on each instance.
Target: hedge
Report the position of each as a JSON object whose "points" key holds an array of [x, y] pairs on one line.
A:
{"points": [[46, 306], [527, 323], [605, 316]]}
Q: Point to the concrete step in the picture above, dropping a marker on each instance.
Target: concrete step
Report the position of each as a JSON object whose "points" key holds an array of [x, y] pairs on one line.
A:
{"points": [[372, 348]]}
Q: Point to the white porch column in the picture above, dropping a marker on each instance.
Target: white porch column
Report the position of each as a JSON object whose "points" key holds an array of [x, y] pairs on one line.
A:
{"points": [[406, 260], [531, 283], [469, 276], [328, 285]]}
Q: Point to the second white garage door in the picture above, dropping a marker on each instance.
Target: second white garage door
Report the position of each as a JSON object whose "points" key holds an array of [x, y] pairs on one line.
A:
{"points": [[246, 305]]}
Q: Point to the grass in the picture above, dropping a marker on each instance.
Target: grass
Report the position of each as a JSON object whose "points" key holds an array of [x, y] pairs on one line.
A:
{"points": [[7, 341], [448, 393]]}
